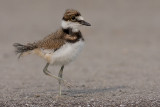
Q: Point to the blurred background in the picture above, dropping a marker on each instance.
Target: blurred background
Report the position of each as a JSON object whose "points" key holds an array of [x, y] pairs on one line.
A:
{"points": [[122, 46]]}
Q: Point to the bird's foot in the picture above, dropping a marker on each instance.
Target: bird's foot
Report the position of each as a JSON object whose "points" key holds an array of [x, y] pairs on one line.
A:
{"points": [[66, 83]]}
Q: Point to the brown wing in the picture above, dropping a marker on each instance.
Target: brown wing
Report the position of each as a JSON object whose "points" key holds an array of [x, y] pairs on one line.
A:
{"points": [[53, 41]]}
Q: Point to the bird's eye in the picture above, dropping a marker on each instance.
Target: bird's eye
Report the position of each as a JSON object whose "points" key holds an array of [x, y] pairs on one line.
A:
{"points": [[73, 18]]}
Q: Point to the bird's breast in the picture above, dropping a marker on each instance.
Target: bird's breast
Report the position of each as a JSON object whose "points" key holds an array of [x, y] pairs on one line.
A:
{"points": [[67, 53]]}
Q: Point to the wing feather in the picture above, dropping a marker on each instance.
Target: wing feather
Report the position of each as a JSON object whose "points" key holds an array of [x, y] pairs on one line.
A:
{"points": [[53, 41]]}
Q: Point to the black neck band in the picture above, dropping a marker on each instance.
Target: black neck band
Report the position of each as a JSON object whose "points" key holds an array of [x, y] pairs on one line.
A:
{"points": [[69, 31]]}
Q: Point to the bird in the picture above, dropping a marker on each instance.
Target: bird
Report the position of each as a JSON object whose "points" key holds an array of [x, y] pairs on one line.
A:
{"points": [[58, 48]]}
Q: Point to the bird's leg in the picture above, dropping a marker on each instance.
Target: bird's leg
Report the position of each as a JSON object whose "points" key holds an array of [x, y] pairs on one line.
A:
{"points": [[60, 76], [56, 77], [49, 73]]}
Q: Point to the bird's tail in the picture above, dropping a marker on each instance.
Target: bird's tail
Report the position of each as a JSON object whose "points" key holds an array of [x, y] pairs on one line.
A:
{"points": [[24, 49]]}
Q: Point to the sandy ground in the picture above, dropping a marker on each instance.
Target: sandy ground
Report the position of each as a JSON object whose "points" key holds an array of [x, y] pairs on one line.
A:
{"points": [[119, 66]]}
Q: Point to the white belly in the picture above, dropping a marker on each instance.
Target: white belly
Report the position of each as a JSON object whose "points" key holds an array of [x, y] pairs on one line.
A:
{"points": [[67, 53]]}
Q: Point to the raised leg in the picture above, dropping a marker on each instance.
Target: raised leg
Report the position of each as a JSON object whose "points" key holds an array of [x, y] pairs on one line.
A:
{"points": [[49, 73], [60, 76]]}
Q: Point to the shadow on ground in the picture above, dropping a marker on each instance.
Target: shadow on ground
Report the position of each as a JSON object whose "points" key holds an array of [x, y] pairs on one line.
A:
{"points": [[93, 91]]}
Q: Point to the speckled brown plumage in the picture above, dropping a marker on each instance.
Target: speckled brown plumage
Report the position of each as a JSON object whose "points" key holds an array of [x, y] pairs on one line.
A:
{"points": [[53, 41], [57, 39]]}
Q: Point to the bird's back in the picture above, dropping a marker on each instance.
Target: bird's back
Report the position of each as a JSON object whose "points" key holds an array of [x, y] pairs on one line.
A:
{"points": [[52, 41]]}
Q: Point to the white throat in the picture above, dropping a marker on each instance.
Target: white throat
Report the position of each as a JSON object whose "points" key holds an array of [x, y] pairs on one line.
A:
{"points": [[68, 24]]}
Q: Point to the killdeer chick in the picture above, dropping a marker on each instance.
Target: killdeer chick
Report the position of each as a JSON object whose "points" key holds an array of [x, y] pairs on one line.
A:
{"points": [[59, 48]]}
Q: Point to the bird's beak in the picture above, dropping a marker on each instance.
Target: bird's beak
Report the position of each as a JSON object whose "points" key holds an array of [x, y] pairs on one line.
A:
{"points": [[82, 22]]}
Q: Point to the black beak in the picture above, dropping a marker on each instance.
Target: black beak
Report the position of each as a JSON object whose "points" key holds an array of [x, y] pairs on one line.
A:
{"points": [[82, 22]]}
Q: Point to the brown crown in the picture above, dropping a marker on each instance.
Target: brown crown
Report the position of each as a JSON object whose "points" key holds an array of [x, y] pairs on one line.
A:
{"points": [[70, 13]]}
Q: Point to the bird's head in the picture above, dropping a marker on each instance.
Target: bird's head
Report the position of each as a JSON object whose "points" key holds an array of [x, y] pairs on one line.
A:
{"points": [[73, 19]]}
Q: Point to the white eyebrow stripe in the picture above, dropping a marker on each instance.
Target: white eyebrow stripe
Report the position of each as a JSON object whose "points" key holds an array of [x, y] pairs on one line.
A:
{"points": [[80, 18]]}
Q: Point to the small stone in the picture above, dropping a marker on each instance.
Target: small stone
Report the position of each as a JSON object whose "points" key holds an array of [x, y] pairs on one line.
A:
{"points": [[122, 105], [37, 95], [92, 99], [26, 104]]}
